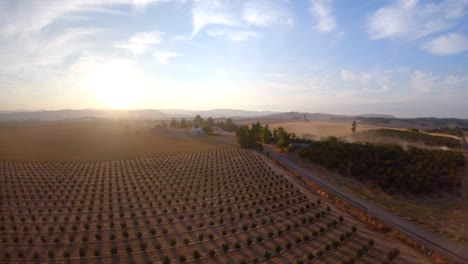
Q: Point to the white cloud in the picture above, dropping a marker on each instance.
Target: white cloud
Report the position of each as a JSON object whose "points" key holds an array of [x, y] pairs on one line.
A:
{"points": [[322, 11], [30, 16], [38, 38], [141, 42], [164, 56], [216, 12], [448, 44], [239, 14], [422, 81], [221, 71], [455, 82], [347, 75], [34, 57], [412, 20], [362, 77], [425, 82], [368, 83], [267, 13], [234, 35]]}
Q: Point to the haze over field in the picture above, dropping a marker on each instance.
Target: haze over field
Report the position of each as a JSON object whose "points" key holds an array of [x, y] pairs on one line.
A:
{"points": [[234, 131], [406, 58]]}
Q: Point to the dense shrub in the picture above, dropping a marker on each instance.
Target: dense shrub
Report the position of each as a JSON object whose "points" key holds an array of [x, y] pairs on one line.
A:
{"points": [[389, 166]]}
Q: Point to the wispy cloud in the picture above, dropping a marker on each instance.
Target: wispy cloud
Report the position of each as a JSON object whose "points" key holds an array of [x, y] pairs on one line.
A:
{"points": [[369, 82], [239, 15], [267, 13], [234, 35], [347, 75], [447, 44], [216, 12], [362, 77], [422, 81], [323, 12], [38, 39], [412, 20], [29, 16], [164, 56], [141, 41]]}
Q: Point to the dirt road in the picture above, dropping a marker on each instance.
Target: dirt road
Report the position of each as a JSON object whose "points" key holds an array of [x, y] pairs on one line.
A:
{"points": [[458, 253]]}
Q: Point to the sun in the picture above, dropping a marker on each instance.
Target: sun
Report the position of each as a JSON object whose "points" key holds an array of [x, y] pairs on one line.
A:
{"points": [[114, 84]]}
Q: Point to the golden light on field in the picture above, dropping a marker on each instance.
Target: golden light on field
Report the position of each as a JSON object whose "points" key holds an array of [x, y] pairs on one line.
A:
{"points": [[114, 85]]}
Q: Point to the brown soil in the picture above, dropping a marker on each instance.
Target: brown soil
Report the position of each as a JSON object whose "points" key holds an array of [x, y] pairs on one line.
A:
{"points": [[96, 140], [319, 129], [145, 209]]}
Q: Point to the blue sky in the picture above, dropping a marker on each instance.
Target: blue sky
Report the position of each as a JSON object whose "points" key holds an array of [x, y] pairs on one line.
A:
{"points": [[406, 57]]}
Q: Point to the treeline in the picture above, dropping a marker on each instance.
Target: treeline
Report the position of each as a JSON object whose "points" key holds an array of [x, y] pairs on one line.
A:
{"points": [[392, 168], [256, 134], [227, 125], [412, 136], [454, 131], [181, 124], [205, 124]]}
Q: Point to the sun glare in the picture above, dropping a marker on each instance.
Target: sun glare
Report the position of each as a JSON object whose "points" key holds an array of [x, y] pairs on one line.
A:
{"points": [[114, 85]]}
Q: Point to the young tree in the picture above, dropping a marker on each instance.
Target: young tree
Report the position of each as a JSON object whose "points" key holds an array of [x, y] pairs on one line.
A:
{"points": [[199, 120], [266, 134], [244, 137], [173, 123], [183, 123], [283, 138], [274, 137], [353, 127], [210, 121], [256, 131]]}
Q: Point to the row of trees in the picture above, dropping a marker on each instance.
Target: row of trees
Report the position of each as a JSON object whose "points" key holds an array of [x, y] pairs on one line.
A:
{"points": [[198, 121], [390, 166], [182, 124], [227, 125], [256, 134]]}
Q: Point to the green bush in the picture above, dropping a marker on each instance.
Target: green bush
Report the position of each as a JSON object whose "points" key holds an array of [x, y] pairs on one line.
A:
{"points": [[391, 167]]}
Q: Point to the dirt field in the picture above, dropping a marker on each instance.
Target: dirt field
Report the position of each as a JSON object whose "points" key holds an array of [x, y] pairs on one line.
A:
{"points": [[319, 129], [96, 140], [223, 206]]}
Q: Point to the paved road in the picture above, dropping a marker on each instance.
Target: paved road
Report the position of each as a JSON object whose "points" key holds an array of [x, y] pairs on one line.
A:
{"points": [[458, 253]]}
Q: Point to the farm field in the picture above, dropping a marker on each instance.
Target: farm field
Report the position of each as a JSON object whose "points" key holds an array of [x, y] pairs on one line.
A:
{"points": [[96, 140], [319, 129], [407, 138], [218, 206]]}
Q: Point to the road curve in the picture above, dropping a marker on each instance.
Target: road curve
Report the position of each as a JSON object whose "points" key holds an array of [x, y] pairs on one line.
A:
{"points": [[456, 252]]}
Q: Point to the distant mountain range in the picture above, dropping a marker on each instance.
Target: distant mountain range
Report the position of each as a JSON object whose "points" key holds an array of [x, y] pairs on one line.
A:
{"points": [[216, 113], [375, 119], [376, 115], [68, 114]]}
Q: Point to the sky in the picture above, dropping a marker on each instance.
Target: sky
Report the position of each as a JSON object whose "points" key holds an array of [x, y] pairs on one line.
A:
{"points": [[407, 58]]}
